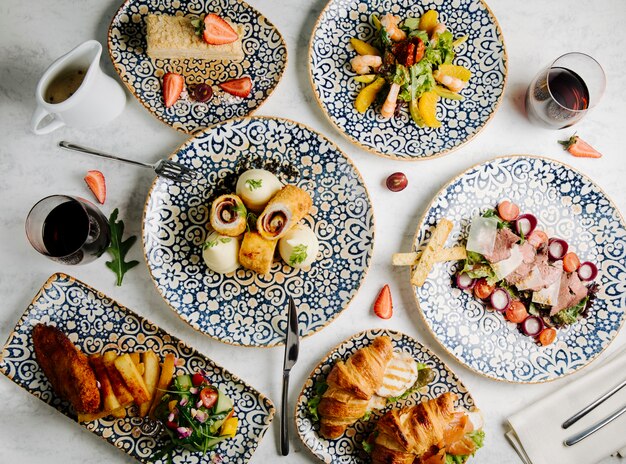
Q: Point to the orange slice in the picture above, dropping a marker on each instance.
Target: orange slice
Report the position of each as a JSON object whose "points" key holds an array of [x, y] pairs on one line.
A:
{"points": [[363, 48], [368, 94], [453, 70], [429, 21], [428, 108]]}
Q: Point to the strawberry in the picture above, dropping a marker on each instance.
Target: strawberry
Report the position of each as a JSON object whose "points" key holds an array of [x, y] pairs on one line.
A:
{"points": [[239, 87], [383, 307], [579, 148], [217, 31], [95, 182], [172, 88]]}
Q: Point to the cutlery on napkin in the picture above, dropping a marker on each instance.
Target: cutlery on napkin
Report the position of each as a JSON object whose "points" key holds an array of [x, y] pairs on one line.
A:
{"points": [[536, 431]]}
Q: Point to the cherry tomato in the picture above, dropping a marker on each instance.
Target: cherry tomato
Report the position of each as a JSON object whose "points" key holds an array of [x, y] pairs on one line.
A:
{"points": [[537, 238], [209, 397], [547, 336], [171, 425], [571, 262], [508, 211], [482, 289], [197, 379], [516, 312]]}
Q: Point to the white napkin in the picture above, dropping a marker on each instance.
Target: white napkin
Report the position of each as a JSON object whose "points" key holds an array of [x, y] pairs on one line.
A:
{"points": [[536, 432]]}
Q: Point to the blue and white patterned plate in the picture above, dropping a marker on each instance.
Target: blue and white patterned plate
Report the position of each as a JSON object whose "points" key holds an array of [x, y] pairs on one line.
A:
{"points": [[568, 205], [265, 60], [335, 89], [246, 308], [96, 323], [347, 449]]}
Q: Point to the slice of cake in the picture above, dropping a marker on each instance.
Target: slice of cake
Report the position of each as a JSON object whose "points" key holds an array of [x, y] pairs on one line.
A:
{"points": [[175, 37]]}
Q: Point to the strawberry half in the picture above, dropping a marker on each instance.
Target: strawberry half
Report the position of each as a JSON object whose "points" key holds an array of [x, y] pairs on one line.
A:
{"points": [[173, 85], [383, 307], [579, 148], [217, 31], [239, 87], [95, 182]]}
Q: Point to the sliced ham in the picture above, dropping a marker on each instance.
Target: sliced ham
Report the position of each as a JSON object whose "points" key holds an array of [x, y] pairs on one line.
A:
{"points": [[505, 239], [571, 292], [524, 270]]}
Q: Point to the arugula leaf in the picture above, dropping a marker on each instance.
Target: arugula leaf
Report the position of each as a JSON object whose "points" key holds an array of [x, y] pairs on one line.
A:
{"points": [[298, 255], [320, 387], [492, 213], [215, 242], [118, 248], [254, 184], [251, 221], [367, 446], [570, 315], [366, 416]]}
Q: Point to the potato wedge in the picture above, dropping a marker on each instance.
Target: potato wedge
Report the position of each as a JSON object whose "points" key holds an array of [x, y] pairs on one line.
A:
{"points": [[429, 255], [167, 372], [99, 415], [117, 382], [109, 400], [136, 357], [446, 254], [150, 378], [132, 378]]}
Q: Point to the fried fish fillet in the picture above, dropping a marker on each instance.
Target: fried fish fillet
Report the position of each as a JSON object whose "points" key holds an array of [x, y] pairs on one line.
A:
{"points": [[67, 368]]}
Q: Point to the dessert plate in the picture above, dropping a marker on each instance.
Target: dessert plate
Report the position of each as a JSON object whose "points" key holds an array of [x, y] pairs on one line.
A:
{"points": [[245, 308], [265, 60], [567, 204], [347, 449], [96, 323], [399, 138]]}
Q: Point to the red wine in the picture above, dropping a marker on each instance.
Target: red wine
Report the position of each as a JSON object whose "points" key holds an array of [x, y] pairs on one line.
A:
{"points": [[568, 89], [557, 98], [72, 230]]}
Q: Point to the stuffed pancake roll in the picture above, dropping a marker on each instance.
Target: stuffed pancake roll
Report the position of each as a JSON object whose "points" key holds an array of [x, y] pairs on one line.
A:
{"points": [[283, 211], [257, 253], [228, 215]]}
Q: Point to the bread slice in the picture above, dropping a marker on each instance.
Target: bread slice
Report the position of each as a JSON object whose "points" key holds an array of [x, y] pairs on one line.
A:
{"points": [[174, 37]]}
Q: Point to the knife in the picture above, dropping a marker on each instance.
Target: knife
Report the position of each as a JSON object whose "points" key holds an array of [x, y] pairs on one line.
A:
{"points": [[291, 356]]}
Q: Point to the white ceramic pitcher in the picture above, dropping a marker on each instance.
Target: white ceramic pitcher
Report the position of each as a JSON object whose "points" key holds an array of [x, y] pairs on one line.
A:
{"points": [[98, 100]]}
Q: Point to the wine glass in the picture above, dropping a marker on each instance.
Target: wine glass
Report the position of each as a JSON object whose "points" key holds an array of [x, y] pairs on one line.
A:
{"points": [[68, 230], [562, 93]]}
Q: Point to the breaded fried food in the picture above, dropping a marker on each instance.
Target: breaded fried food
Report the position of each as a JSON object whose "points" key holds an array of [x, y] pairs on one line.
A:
{"points": [[67, 368]]}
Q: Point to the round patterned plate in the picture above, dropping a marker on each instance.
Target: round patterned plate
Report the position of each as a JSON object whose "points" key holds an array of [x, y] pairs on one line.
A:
{"points": [[347, 449], [96, 324], [568, 205], [246, 308], [265, 60], [335, 89]]}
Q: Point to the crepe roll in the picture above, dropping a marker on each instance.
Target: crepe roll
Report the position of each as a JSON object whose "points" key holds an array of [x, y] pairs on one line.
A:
{"points": [[228, 215], [283, 212], [256, 187], [257, 253]]}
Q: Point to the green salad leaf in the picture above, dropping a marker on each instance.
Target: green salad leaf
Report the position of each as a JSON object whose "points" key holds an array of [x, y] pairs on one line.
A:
{"points": [[367, 446], [119, 248], [568, 316], [478, 437], [320, 387]]}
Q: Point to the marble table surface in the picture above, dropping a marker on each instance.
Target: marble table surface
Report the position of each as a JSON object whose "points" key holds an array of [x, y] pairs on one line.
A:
{"points": [[33, 34]]}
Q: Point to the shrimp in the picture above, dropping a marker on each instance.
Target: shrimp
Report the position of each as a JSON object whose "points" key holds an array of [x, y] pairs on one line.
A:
{"points": [[361, 64], [390, 23], [453, 83], [389, 107], [439, 29]]}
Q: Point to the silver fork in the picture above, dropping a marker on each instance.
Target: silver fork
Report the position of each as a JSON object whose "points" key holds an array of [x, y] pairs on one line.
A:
{"points": [[164, 168]]}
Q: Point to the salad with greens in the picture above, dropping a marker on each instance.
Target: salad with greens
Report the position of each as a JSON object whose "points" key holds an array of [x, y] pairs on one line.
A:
{"points": [[196, 415], [409, 61]]}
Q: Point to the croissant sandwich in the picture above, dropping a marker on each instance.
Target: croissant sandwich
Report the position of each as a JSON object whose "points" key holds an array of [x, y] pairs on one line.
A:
{"points": [[351, 385], [283, 211], [228, 215], [426, 433]]}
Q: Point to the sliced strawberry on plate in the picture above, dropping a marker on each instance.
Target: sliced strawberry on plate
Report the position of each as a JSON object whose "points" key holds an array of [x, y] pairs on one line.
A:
{"points": [[217, 31], [579, 148], [95, 182], [239, 87], [173, 85], [383, 307]]}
